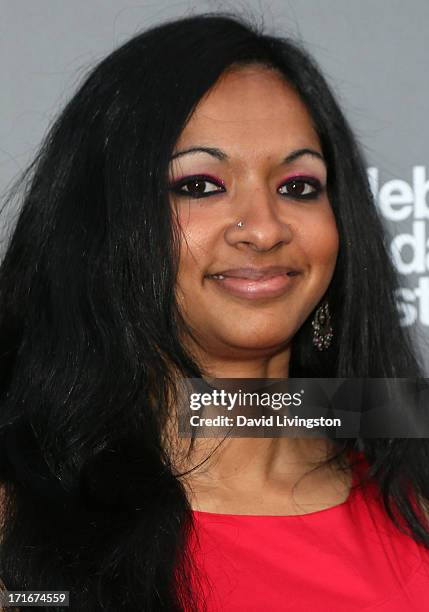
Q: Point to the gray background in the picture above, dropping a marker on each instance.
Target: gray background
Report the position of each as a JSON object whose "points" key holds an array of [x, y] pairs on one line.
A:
{"points": [[373, 52]]}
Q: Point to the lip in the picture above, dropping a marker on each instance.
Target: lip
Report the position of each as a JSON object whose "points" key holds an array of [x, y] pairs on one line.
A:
{"points": [[255, 272], [256, 283]]}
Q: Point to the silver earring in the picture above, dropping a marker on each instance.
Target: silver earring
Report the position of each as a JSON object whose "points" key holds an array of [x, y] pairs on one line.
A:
{"points": [[323, 333], [240, 224]]}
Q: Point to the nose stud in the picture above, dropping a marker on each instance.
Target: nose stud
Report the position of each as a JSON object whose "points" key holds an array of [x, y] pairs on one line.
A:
{"points": [[240, 224]]}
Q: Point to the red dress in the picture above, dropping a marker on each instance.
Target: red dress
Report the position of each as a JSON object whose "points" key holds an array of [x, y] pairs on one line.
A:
{"points": [[347, 558]]}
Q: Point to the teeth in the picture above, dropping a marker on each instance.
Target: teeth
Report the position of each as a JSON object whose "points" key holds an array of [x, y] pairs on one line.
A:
{"points": [[221, 276]]}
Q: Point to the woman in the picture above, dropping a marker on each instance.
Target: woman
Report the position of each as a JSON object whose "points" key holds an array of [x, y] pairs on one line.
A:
{"points": [[198, 209]]}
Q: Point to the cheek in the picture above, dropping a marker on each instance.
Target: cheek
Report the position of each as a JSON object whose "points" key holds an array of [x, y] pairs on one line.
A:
{"points": [[200, 236], [195, 249], [321, 240]]}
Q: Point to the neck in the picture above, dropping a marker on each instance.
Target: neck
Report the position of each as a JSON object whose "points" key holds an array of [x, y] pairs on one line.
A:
{"points": [[236, 465], [267, 363], [264, 476]]}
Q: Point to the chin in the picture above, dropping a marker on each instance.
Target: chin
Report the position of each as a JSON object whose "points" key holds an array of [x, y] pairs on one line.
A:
{"points": [[258, 342]]}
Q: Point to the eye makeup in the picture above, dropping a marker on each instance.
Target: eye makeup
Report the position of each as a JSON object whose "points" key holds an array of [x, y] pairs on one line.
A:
{"points": [[298, 186], [301, 187], [200, 181]]}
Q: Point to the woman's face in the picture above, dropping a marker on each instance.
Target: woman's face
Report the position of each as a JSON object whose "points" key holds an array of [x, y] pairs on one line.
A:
{"points": [[250, 153]]}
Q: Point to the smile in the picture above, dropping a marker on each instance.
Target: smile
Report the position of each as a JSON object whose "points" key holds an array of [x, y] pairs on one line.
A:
{"points": [[252, 289]]}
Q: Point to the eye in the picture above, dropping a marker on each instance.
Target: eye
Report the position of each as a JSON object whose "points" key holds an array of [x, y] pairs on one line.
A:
{"points": [[302, 188], [200, 186]]}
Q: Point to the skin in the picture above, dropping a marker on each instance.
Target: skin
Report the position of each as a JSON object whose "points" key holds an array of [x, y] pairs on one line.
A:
{"points": [[257, 121]]}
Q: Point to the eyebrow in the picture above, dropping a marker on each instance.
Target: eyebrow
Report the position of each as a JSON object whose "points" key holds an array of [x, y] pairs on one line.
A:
{"points": [[220, 155]]}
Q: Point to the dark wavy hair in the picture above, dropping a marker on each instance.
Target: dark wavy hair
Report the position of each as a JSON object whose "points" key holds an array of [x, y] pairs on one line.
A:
{"points": [[90, 330]]}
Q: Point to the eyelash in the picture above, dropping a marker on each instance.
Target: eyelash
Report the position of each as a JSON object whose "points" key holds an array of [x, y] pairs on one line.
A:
{"points": [[202, 178]]}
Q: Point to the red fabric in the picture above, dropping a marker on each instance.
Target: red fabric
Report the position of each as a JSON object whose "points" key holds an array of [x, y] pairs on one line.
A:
{"points": [[347, 558]]}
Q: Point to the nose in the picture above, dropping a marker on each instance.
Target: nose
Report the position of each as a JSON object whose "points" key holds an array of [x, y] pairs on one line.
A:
{"points": [[264, 227]]}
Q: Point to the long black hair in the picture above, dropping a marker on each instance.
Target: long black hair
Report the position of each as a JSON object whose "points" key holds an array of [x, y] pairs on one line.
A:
{"points": [[90, 330]]}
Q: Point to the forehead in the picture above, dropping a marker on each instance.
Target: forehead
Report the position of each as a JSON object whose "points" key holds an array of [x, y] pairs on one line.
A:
{"points": [[251, 105]]}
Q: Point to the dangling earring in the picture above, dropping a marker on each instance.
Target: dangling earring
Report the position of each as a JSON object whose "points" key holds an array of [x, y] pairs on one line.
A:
{"points": [[321, 323]]}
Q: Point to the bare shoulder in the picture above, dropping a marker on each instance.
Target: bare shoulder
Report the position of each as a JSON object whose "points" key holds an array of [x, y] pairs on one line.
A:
{"points": [[421, 505], [424, 505]]}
